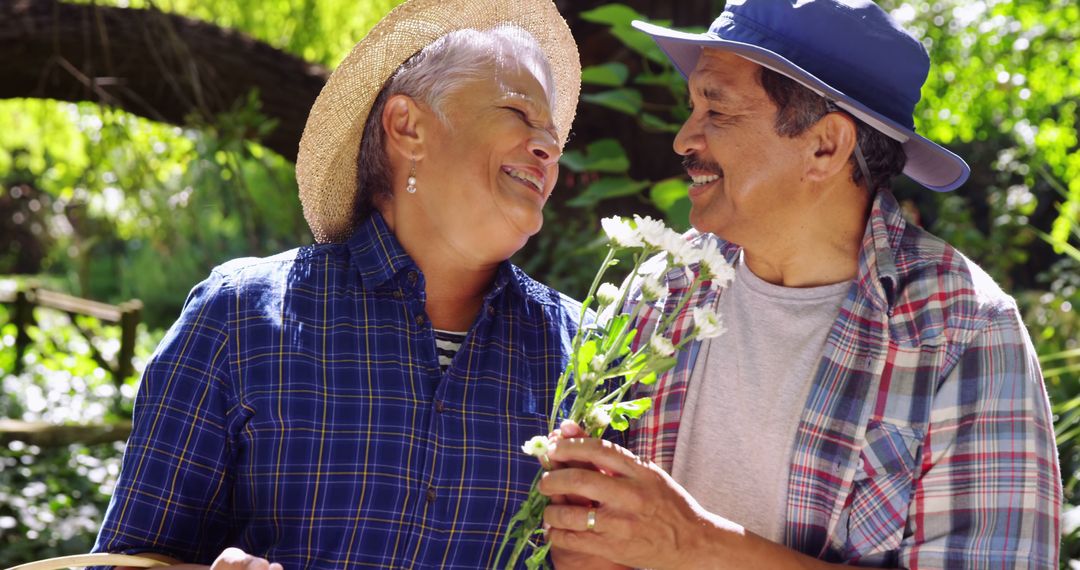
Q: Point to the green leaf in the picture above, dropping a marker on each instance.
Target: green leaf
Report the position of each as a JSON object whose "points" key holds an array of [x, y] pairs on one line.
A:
{"points": [[634, 408], [614, 329], [625, 348], [669, 196], [612, 15], [669, 77], [666, 193], [641, 43], [574, 160], [653, 123], [623, 100], [585, 356], [607, 188], [612, 74], [604, 155], [622, 412]]}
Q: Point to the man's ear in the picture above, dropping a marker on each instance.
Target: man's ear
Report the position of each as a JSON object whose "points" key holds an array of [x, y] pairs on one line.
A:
{"points": [[406, 123], [833, 140]]}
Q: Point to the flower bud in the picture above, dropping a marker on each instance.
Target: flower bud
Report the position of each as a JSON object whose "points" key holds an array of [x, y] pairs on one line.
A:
{"points": [[661, 346], [537, 446], [607, 294]]}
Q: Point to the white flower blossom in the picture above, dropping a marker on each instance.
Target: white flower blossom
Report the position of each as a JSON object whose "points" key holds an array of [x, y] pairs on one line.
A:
{"points": [[621, 233], [652, 288], [681, 251], [607, 294], [537, 446], [651, 231], [714, 266], [598, 418], [706, 324], [661, 346], [597, 363]]}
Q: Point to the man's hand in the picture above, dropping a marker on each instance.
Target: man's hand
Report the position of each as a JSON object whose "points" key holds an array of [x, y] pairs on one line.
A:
{"points": [[642, 518], [562, 558]]}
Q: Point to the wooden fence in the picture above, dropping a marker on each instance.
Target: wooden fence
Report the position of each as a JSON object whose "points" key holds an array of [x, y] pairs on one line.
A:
{"points": [[126, 315]]}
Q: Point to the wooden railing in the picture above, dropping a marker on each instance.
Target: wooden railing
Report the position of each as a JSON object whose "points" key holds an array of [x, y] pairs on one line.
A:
{"points": [[125, 315]]}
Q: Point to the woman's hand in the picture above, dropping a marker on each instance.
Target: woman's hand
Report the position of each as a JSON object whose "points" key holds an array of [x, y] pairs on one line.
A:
{"points": [[229, 559], [236, 559]]}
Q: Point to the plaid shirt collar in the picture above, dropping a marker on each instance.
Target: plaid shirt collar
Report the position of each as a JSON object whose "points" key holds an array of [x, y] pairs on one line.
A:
{"points": [[379, 257]]}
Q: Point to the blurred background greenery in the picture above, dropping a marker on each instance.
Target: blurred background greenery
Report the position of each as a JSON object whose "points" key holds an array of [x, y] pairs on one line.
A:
{"points": [[142, 143]]}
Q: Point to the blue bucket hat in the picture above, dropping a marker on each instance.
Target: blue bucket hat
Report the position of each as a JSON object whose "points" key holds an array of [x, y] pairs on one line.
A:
{"points": [[848, 51]]}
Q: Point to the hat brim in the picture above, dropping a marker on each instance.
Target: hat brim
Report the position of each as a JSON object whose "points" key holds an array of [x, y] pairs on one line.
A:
{"points": [[928, 163], [326, 169]]}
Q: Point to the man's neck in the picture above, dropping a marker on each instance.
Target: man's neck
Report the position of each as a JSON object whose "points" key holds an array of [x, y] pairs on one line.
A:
{"points": [[822, 251]]}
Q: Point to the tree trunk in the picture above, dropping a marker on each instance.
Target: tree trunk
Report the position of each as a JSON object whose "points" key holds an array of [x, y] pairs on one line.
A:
{"points": [[160, 66]]}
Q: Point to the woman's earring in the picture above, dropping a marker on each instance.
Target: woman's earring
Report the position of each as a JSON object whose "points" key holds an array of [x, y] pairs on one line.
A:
{"points": [[411, 188]]}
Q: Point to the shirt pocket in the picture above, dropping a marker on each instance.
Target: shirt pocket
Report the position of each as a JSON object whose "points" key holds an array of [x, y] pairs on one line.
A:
{"points": [[877, 509]]}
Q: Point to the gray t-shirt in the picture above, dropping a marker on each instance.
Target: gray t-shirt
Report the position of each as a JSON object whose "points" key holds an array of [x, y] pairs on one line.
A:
{"points": [[746, 396]]}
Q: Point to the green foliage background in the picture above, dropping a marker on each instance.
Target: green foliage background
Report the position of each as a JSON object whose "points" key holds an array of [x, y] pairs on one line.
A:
{"points": [[121, 207]]}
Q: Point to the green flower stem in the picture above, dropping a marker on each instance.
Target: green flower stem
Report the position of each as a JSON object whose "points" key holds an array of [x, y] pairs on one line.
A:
{"points": [[561, 391], [524, 524], [670, 318]]}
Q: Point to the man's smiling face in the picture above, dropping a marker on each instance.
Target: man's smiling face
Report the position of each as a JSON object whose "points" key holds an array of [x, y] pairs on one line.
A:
{"points": [[745, 174]]}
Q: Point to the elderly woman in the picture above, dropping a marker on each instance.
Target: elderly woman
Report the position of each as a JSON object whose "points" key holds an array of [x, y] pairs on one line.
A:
{"points": [[361, 402]]}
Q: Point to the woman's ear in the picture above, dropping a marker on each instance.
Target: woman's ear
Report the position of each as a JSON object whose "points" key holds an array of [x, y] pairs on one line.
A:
{"points": [[833, 139], [405, 123]]}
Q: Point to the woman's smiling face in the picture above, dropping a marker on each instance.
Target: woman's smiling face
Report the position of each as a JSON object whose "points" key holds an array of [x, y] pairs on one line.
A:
{"points": [[491, 165]]}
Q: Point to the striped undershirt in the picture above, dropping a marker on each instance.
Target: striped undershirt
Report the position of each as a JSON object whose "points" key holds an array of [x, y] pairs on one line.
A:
{"points": [[447, 344]]}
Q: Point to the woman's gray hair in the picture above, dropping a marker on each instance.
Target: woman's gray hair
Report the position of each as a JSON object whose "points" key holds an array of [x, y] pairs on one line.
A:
{"points": [[429, 76]]}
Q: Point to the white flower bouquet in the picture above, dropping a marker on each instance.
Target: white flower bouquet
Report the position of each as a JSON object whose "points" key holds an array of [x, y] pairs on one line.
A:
{"points": [[602, 367]]}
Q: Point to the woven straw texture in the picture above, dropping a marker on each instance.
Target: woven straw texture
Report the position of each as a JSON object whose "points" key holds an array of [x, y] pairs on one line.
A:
{"points": [[326, 163]]}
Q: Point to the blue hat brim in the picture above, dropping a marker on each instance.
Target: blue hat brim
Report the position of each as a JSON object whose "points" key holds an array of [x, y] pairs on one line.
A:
{"points": [[928, 163]]}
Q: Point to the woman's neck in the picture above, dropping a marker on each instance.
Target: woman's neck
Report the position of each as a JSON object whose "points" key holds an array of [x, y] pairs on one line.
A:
{"points": [[455, 294], [455, 281]]}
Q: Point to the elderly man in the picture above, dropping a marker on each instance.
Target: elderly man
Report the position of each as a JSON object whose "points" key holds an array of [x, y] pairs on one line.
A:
{"points": [[875, 400]]}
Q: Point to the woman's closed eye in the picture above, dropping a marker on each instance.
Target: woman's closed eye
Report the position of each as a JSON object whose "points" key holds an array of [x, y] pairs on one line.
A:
{"points": [[521, 113]]}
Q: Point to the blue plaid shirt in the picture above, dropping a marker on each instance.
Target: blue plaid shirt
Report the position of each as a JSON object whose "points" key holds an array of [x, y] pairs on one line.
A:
{"points": [[296, 410]]}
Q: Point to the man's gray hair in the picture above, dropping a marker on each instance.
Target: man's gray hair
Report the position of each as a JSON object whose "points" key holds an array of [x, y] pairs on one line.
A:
{"points": [[798, 108], [431, 74]]}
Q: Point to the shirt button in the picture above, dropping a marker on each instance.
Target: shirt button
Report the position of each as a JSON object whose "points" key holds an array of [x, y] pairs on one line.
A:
{"points": [[420, 320], [412, 277], [491, 311], [398, 295], [431, 495], [440, 406]]}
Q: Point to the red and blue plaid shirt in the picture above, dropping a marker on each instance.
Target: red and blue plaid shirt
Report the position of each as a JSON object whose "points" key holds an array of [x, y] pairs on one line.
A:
{"points": [[297, 410], [927, 439]]}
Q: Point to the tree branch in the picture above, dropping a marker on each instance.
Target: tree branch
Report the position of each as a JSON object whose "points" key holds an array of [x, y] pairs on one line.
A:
{"points": [[160, 66]]}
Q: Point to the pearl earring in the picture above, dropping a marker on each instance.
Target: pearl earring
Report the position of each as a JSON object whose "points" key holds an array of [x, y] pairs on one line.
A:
{"points": [[411, 187]]}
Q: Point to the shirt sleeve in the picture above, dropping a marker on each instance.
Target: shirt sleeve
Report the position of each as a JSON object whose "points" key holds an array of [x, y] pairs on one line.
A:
{"points": [[989, 493], [173, 493]]}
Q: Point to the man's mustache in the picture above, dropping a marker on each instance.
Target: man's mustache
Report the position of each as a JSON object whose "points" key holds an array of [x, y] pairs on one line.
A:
{"points": [[693, 162]]}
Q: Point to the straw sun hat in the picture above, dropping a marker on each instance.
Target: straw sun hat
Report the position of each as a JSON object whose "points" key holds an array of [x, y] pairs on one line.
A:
{"points": [[326, 163]]}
